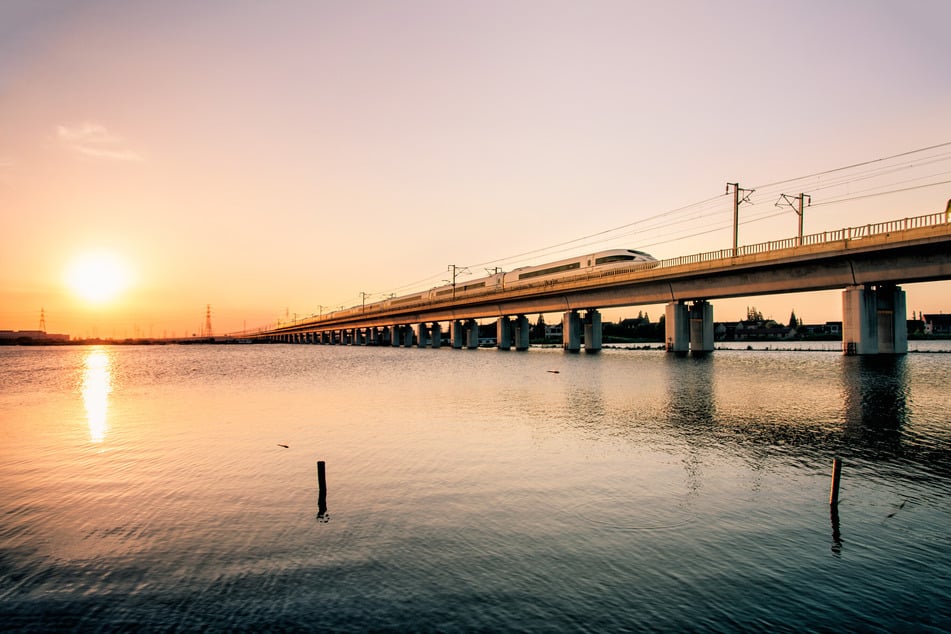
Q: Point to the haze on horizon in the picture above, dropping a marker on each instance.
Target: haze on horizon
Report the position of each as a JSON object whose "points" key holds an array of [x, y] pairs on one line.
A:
{"points": [[273, 159]]}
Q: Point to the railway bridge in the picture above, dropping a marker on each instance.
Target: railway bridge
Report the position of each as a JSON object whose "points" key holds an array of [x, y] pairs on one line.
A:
{"points": [[869, 263]]}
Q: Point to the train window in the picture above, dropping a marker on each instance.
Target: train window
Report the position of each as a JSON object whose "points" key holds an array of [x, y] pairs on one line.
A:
{"points": [[550, 271], [406, 300], [614, 258]]}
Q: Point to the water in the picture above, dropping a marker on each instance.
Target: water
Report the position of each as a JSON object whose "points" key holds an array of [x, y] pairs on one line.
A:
{"points": [[147, 487]]}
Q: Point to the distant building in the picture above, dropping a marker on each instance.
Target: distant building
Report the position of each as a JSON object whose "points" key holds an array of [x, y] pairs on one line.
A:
{"points": [[30, 336], [939, 324]]}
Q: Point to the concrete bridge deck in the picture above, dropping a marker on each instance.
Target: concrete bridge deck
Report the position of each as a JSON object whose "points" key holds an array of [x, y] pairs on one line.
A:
{"points": [[884, 254]]}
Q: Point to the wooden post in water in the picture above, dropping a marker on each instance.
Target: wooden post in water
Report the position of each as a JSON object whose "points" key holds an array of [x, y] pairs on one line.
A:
{"points": [[321, 489], [836, 476]]}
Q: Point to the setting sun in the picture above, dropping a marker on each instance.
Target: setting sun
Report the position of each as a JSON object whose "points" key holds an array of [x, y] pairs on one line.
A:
{"points": [[98, 277]]}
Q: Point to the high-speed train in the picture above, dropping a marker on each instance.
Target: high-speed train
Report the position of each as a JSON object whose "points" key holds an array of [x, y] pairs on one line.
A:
{"points": [[553, 271]]}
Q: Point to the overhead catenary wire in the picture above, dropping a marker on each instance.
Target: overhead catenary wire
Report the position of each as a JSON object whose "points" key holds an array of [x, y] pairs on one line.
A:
{"points": [[704, 217]]}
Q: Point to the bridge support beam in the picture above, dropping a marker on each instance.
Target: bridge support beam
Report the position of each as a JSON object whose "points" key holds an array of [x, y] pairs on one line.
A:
{"points": [[522, 333], [677, 327], [503, 333], [422, 335], [436, 331], [873, 320], [456, 334], [571, 331], [395, 335], [701, 328], [408, 336], [472, 334], [689, 328], [592, 331]]}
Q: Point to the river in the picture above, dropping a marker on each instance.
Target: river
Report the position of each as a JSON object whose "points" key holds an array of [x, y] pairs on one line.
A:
{"points": [[174, 488]]}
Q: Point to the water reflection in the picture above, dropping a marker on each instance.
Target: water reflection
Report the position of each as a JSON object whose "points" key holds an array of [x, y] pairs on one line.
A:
{"points": [[691, 410], [96, 386], [691, 402], [876, 392]]}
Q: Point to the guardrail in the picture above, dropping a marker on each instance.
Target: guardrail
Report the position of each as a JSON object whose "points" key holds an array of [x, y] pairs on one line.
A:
{"points": [[838, 235], [826, 237]]}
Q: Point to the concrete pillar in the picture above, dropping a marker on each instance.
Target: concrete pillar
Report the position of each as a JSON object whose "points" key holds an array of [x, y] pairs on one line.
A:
{"points": [[422, 335], [701, 328], [677, 327], [873, 320], [592, 330], [456, 334], [358, 337], [522, 333], [396, 335], [472, 332], [571, 331], [407, 336], [503, 333], [373, 336], [436, 332]]}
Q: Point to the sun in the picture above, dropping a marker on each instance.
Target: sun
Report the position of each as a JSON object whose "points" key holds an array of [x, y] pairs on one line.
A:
{"points": [[98, 277]]}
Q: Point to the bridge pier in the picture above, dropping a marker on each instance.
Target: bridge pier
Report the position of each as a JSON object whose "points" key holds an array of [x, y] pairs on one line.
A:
{"points": [[503, 333], [436, 332], [456, 334], [522, 333], [408, 336], [873, 320], [422, 335], [689, 328], [472, 334], [592, 331], [571, 331]]}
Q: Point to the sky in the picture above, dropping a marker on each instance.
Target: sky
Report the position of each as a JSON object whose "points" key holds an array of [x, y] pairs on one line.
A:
{"points": [[273, 159]]}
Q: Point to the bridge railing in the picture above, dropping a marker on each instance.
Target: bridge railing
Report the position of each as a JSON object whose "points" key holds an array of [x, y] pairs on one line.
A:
{"points": [[838, 235]]}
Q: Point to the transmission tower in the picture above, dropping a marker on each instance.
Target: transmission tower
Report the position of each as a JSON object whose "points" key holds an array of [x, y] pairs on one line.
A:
{"points": [[42, 320], [208, 320]]}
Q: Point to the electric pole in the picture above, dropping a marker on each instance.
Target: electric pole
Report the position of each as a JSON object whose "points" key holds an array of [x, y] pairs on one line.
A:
{"points": [[737, 200], [208, 320], [456, 270], [789, 200]]}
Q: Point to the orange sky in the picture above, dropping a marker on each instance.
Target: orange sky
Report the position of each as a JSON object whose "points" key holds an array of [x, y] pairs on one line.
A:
{"points": [[280, 158]]}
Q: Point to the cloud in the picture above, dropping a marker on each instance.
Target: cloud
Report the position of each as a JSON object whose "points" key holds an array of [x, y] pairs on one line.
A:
{"points": [[95, 141]]}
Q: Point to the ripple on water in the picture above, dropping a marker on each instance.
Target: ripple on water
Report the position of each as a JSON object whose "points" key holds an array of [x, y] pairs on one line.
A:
{"points": [[626, 513]]}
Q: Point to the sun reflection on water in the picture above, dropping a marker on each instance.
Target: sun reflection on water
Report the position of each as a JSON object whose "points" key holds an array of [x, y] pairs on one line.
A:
{"points": [[97, 384]]}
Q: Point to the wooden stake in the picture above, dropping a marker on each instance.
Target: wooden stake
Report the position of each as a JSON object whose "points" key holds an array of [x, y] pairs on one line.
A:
{"points": [[321, 488], [836, 476]]}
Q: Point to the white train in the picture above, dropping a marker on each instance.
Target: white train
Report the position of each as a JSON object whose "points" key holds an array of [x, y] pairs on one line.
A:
{"points": [[593, 263]]}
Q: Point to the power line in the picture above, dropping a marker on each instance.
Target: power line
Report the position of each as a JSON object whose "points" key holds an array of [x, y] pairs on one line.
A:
{"points": [[701, 211], [862, 164], [894, 191]]}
